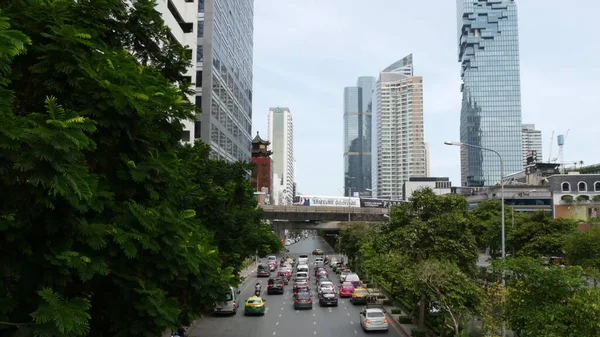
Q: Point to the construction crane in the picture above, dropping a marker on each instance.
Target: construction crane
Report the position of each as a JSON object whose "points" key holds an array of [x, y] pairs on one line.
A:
{"points": [[551, 143]]}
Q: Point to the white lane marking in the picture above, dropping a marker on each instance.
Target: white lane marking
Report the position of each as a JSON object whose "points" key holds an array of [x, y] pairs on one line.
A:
{"points": [[330, 310], [315, 323], [297, 311], [348, 313], [351, 322], [267, 309], [314, 332], [281, 308], [314, 315], [342, 302], [274, 332], [277, 323], [356, 333], [346, 308], [280, 315], [283, 303]]}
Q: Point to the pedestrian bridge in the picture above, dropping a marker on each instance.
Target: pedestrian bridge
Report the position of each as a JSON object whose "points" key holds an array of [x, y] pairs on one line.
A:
{"points": [[322, 213]]}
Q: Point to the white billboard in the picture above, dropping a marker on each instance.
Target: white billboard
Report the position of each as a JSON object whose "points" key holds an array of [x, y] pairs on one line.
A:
{"points": [[330, 201]]}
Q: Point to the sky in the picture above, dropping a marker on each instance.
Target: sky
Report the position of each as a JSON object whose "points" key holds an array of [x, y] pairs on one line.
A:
{"points": [[306, 52]]}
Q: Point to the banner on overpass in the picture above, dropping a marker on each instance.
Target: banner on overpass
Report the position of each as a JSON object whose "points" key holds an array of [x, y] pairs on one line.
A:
{"points": [[378, 203], [326, 201]]}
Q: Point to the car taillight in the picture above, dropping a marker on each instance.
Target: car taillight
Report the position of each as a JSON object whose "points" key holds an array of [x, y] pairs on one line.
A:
{"points": [[309, 300], [385, 320], [297, 301], [268, 286], [367, 321]]}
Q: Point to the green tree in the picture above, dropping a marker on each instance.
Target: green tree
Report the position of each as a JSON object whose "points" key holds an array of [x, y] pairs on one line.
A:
{"points": [[457, 296], [583, 249], [95, 239], [428, 227], [352, 238], [222, 197], [549, 301], [542, 235], [486, 224]]}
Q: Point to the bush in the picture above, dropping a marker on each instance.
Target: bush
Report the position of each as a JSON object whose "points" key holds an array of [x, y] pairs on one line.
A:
{"points": [[396, 311], [404, 319], [388, 302], [418, 332]]}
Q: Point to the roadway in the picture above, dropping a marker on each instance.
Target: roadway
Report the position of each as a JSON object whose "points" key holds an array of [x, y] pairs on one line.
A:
{"points": [[281, 319]]}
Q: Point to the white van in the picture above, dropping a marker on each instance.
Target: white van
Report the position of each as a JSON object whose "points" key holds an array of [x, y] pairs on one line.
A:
{"points": [[302, 268], [319, 262], [230, 304]]}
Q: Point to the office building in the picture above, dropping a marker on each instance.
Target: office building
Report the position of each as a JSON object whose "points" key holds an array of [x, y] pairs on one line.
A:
{"points": [[488, 50], [224, 77], [398, 141], [357, 137], [532, 141], [181, 17], [281, 135]]}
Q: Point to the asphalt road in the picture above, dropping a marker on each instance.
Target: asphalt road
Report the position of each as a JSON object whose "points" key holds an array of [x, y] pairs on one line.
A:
{"points": [[281, 319]]}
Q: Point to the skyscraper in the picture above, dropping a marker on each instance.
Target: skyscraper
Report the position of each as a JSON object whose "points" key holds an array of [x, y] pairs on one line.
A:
{"points": [[181, 18], [532, 141], [398, 146], [357, 136], [281, 135], [224, 77], [491, 106]]}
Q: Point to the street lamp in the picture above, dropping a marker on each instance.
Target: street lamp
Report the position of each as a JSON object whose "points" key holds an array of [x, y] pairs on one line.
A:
{"points": [[502, 200]]}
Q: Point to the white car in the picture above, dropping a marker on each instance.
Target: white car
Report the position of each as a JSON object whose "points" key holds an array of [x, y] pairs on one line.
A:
{"points": [[326, 285], [373, 320]]}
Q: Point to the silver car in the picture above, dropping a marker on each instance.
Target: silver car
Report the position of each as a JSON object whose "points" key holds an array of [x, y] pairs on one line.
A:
{"points": [[373, 320]]}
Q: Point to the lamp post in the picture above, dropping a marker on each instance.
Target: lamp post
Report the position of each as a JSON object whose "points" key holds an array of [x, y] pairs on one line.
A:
{"points": [[502, 201]]}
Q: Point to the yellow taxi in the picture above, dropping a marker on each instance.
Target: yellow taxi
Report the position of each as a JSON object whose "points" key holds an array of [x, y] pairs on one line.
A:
{"points": [[359, 295], [254, 306]]}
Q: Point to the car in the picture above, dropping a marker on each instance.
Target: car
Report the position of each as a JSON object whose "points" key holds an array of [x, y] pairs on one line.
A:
{"points": [[303, 301], [346, 289], [373, 319], [317, 252], [359, 295], [325, 285], [275, 286], [303, 259], [263, 270], [299, 284], [318, 269], [301, 289], [328, 297], [344, 274], [323, 274], [254, 306]]}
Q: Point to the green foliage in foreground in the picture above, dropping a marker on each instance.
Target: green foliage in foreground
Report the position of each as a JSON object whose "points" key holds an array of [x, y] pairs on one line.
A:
{"points": [[108, 223]]}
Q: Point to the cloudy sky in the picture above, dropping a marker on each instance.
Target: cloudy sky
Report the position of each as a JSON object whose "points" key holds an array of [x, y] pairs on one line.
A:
{"points": [[306, 52]]}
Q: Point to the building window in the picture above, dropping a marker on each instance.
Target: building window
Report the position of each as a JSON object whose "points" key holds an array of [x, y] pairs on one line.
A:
{"points": [[597, 186], [200, 28], [582, 187], [199, 79], [197, 129], [185, 136], [566, 187], [200, 6], [200, 53]]}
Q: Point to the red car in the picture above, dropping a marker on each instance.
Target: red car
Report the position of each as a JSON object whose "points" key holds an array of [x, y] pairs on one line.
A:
{"points": [[346, 289]]}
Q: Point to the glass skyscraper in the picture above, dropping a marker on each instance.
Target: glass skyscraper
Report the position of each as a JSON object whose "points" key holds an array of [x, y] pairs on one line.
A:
{"points": [[491, 86], [357, 137], [224, 77]]}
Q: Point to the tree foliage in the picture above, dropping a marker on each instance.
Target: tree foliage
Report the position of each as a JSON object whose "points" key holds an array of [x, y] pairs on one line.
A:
{"points": [[107, 222], [550, 301]]}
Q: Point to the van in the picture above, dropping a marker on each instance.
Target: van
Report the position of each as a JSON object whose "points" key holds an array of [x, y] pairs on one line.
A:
{"points": [[230, 303], [303, 259], [319, 262], [354, 279], [302, 268]]}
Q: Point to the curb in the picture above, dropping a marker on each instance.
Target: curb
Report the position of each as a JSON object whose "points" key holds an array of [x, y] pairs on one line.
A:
{"points": [[396, 324]]}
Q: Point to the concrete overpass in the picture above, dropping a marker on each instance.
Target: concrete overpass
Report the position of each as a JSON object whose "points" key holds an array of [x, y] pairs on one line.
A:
{"points": [[320, 218], [318, 213]]}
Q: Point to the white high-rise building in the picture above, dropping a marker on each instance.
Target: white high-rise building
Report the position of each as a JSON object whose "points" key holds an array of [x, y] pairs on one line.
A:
{"points": [[182, 17], [398, 136], [281, 135], [532, 141], [427, 161]]}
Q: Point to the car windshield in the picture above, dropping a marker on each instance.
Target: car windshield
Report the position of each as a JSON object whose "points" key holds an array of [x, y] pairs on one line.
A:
{"points": [[303, 295], [304, 256], [375, 314], [262, 266], [228, 297], [348, 287], [360, 292], [254, 301]]}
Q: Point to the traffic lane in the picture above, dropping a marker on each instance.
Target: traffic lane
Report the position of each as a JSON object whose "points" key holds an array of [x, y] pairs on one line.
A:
{"points": [[306, 246]]}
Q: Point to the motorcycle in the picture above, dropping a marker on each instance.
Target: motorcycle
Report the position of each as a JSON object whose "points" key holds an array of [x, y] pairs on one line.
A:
{"points": [[257, 292]]}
